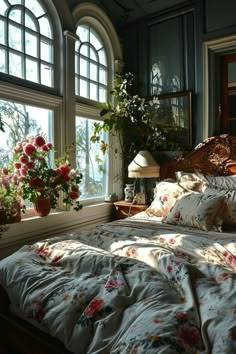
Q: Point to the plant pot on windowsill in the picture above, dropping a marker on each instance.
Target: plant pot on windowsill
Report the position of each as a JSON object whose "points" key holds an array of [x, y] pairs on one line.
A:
{"points": [[42, 206], [9, 216]]}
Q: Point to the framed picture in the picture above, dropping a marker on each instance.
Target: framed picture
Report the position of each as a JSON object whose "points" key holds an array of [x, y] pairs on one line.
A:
{"points": [[171, 113]]}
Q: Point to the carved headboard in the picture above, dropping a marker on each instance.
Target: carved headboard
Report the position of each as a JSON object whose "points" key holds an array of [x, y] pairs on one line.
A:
{"points": [[214, 156]]}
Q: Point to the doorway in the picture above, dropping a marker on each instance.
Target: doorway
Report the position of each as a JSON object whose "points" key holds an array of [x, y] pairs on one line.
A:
{"points": [[219, 91], [227, 108]]}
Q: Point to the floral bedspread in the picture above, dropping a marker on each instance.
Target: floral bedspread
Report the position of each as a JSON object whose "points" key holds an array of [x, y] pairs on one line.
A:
{"points": [[130, 286]]}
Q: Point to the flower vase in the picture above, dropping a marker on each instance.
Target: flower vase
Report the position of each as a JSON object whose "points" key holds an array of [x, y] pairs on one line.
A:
{"points": [[129, 192], [42, 206]]}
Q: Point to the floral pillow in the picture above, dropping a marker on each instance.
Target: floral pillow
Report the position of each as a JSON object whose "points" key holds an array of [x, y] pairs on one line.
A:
{"points": [[222, 182], [230, 203], [200, 210], [166, 194]]}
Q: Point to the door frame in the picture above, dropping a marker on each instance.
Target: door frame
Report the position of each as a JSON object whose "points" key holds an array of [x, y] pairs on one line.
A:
{"points": [[212, 48]]}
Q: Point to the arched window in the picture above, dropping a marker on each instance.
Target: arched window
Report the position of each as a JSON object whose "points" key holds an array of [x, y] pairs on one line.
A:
{"points": [[26, 41], [91, 67], [95, 51]]}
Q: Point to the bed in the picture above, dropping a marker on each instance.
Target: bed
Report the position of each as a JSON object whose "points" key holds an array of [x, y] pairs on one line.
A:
{"points": [[162, 281]]}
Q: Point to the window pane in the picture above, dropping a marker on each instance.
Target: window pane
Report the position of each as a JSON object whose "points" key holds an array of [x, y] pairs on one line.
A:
{"points": [[94, 92], [102, 56], [76, 85], [32, 70], [14, 2], [35, 7], [103, 76], [83, 33], [93, 54], [76, 64], [83, 67], [46, 75], [45, 27], [93, 72], [30, 23], [3, 67], [2, 32], [16, 15], [90, 161], [102, 94], [3, 7], [84, 50], [83, 89], [15, 65], [22, 120], [95, 40], [31, 45], [15, 38], [46, 51]]}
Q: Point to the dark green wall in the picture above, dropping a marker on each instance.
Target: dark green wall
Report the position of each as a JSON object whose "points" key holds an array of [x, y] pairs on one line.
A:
{"points": [[175, 37]]}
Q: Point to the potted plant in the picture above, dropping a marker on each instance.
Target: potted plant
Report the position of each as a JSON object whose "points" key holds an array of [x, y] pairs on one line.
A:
{"points": [[41, 181], [134, 121]]}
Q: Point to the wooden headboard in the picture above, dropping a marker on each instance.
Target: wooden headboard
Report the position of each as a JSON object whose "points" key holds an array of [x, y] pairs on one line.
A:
{"points": [[214, 156]]}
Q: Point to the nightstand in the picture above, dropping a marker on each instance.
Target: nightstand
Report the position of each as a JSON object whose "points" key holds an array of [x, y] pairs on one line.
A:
{"points": [[124, 209]]}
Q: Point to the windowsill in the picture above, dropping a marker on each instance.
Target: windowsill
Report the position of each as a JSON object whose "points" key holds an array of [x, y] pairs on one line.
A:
{"points": [[34, 228]]}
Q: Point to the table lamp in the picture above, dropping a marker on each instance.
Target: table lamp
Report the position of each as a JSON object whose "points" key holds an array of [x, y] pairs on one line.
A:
{"points": [[144, 166]]}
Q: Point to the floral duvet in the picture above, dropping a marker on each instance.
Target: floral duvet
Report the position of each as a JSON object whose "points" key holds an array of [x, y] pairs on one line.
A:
{"points": [[130, 286]]}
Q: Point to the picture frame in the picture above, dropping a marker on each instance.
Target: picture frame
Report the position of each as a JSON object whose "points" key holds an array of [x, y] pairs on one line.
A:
{"points": [[172, 113]]}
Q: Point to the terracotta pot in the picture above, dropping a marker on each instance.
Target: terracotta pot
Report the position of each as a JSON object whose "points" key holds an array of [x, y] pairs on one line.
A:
{"points": [[42, 206], [5, 218]]}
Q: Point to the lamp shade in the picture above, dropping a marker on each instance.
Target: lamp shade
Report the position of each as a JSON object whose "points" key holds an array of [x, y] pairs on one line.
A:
{"points": [[143, 165]]}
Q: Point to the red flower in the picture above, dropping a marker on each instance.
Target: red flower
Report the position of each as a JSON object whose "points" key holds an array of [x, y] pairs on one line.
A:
{"points": [[49, 146], [74, 195], [190, 338], [29, 149], [74, 188], [169, 269], [45, 148], [23, 171], [35, 182], [5, 171], [181, 316], [65, 169], [94, 307], [39, 141], [30, 165], [17, 165], [23, 159]]}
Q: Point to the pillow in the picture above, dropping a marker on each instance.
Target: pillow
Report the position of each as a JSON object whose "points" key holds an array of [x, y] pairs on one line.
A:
{"points": [[191, 181], [222, 182], [166, 195], [199, 210], [229, 215]]}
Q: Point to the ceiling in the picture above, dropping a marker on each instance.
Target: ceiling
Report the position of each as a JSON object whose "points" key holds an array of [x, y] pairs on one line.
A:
{"points": [[123, 12]]}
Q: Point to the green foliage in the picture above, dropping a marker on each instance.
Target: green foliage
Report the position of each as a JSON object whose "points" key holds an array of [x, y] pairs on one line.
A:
{"points": [[137, 124]]}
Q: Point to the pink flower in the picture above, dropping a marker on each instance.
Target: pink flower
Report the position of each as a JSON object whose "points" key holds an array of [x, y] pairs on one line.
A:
{"points": [[24, 159], [29, 149], [39, 141], [94, 307], [18, 148], [23, 171]]}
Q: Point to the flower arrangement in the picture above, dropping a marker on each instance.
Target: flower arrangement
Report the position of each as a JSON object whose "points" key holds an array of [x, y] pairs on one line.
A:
{"points": [[11, 203], [38, 176]]}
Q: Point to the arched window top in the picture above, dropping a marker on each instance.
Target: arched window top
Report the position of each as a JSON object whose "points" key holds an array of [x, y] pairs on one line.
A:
{"points": [[26, 41], [91, 65]]}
